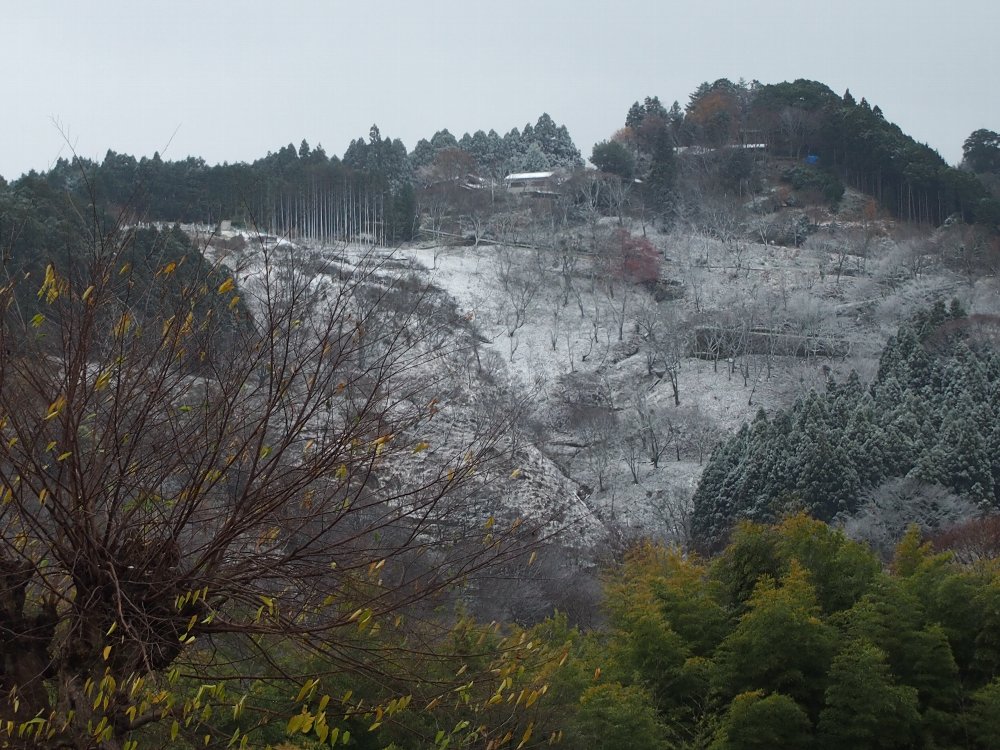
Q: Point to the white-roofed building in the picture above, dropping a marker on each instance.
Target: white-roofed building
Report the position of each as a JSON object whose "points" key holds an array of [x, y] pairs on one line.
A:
{"points": [[531, 182]]}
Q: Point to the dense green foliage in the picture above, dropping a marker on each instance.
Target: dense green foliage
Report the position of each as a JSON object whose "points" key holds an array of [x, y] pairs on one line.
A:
{"points": [[651, 135], [614, 158], [981, 151], [793, 637], [870, 153], [823, 182], [932, 413]]}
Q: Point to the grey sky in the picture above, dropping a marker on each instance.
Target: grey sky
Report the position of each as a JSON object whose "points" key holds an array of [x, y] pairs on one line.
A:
{"points": [[230, 81]]}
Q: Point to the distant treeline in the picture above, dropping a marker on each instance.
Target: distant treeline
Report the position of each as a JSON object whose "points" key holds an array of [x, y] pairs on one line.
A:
{"points": [[373, 190], [302, 192], [851, 140], [295, 192]]}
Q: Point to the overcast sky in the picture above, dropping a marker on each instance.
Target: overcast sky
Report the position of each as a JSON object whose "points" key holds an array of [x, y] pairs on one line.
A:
{"points": [[230, 81]]}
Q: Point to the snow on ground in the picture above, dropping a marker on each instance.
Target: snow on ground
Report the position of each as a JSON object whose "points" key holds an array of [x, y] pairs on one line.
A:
{"points": [[469, 275], [558, 346], [538, 491]]}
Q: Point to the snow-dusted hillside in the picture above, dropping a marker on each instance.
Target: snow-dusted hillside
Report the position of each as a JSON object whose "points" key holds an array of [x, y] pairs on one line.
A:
{"points": [[616, 414]]}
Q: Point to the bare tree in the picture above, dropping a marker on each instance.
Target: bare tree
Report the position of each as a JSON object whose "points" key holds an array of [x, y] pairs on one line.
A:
{"points": [[888, 510], [632, 454], [186, 462], [673, 510], [619, 195], [517, 289], [600, 429], [654, 428], [696, 432], [725, 222]]}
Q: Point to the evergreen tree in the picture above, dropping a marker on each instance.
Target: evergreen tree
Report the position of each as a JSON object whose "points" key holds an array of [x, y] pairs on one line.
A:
{"points": [[863, 708], [532, 160], [841, 571], [959, 459], [634, 116], [780, 644], [422, 155], [981, 151], [758, 721], [614, 158], [983, 716], [827, 482], [613, 717], [659, 183]]}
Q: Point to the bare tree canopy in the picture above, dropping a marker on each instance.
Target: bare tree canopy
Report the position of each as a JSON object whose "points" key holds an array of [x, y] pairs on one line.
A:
{"points": [[186, 460]]}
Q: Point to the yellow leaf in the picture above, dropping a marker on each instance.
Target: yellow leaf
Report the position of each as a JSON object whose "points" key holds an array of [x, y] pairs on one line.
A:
{"points": [[234, 301], [37, 320], [50, 285], [342, 472], [532, 558], [87, 293], [307, 686], [527, 735], [123, 325], [226, 285], [421, 446], [102, 380], [515, 474], [55, 407], [168, 269], [295, 724], [107, 652]]}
